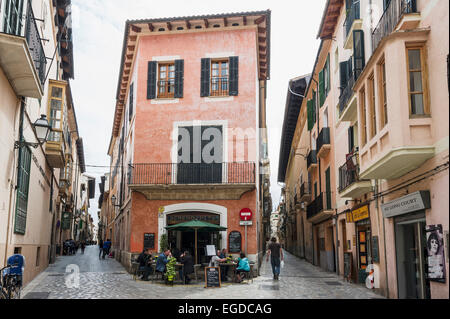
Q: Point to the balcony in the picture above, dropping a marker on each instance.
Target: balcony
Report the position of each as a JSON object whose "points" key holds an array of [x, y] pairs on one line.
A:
{"points": [[22, 56], [320, 208], [352, 22], [323, 142], [399, 15], [347, 99], [193, 181], [311, 160], [350, 185], [305, 192]]}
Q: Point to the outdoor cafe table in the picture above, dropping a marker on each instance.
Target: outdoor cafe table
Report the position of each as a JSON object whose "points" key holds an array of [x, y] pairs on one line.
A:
{"points": [[232, 264]]}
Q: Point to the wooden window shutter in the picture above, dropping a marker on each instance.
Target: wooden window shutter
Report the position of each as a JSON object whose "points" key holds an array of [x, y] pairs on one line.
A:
{"points": [[343, 75], [314, 107], [350, 139], [310, 113], [23, 183], [328, 79], [151, 80], [358, 52], [130, 106], [234, 76], [321, 88], [179, 78], [205, 77]]}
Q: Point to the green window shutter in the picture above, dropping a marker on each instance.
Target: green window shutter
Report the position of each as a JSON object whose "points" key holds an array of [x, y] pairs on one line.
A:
{"points": [[205, 76], [234, 75], [23, 183], [151, 80], [179, 78], [314, 107], [309, 109], [328, 79], [321, 88]]}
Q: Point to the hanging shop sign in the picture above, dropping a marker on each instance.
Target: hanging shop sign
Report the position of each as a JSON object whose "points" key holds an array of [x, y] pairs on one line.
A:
{"points": [[435, 248], [360, 213], [407, 204]]}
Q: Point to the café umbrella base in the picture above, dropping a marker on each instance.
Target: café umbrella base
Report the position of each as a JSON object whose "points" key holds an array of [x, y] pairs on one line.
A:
{"points": [[195, 225]]}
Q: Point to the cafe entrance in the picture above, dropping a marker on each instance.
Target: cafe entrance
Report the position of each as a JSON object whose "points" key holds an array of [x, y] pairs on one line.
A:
{"points": [[185, 240]]}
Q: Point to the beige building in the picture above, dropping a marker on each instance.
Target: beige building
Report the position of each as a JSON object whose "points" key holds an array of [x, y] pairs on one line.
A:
{"points": [[379, 130], [36, 63]]}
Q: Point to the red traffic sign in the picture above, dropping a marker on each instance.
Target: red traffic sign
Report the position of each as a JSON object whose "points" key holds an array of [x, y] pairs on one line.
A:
{"points": [[245, 214]]}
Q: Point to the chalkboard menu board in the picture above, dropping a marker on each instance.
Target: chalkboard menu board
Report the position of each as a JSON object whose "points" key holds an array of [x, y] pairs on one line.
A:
{"points": [[212, 277], [347, 265], [234, 242], [375, 253], [149, 241]]}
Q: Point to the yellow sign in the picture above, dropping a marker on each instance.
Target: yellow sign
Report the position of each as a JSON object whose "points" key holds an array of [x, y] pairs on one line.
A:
{"points": [[161, 209], [349, 217], [360, 213]]}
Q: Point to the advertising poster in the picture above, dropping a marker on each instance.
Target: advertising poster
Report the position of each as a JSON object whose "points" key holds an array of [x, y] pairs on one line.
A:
{"points": [[435, 248]]}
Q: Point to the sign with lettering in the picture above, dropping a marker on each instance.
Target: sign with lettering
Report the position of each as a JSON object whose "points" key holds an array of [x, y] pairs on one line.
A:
{"points": [[234, 242], [212, 277], [406, 204], [149, 241], [360, 213], [349, 216], [178, 218]]}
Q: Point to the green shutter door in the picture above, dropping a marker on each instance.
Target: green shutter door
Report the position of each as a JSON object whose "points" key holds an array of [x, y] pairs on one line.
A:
{"points": [[205, 76], [23, 182], [314, 107], [179, 78], [328, 187], [234, 75], [151, 80], [310, 114], [328, 74], [321, 88]]}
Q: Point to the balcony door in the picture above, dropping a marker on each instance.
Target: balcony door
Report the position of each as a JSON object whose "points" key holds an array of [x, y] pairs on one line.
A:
{"points": [[12, 17], [328, 188], [200, 155]]}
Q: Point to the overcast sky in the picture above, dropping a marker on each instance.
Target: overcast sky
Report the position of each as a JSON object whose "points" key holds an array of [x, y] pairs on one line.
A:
{"points": [[98, 27]]}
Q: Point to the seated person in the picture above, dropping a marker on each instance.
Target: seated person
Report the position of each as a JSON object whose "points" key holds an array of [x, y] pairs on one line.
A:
{"points": [[144, 261], [242, 268], [215, 260], [162, 261]]}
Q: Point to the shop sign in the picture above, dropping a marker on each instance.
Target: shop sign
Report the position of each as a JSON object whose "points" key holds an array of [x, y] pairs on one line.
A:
{"points": [[349, 216], [360, 213], [406, 204]]}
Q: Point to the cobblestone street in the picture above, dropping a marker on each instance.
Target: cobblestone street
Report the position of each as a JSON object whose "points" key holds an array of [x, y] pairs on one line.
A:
{"points": [[107, 279]]}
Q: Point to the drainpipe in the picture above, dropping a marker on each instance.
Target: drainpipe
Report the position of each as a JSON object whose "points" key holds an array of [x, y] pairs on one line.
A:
{"points": [[337, 242]]}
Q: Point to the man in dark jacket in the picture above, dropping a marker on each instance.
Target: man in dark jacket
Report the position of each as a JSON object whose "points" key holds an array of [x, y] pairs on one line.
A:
{"points": [[188, 263], [144, 260]]}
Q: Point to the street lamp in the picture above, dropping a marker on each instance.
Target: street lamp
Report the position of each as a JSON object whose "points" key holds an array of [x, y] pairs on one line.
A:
{"points": [[42, 128], [113, 201]]}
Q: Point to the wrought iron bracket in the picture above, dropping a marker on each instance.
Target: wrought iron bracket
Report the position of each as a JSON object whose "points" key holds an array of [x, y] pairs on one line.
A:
{"points": [[20, 144]]}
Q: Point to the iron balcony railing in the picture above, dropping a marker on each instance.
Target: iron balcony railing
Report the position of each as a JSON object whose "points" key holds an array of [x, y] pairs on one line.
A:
{"points": [[324, 138], [348, 174], [320, 203], [353, 14], [305, 189], [13, 24], [390, 18], [311, 158], [192, 173], [219, 86]]}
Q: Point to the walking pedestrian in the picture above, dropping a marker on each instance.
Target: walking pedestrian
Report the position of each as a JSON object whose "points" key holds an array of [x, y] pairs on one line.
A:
{"points": [[100, 248], [275, 252], [83, 246], [106, 248]]}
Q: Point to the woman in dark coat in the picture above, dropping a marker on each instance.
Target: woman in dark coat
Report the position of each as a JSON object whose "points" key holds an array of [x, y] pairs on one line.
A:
{"points": [[186, 260]]}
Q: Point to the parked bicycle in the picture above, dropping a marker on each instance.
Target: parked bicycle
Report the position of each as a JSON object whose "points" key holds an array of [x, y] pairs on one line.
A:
{"points": [[10, 283]]}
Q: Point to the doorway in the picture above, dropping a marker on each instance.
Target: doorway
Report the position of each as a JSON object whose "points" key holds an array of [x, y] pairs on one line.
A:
{"points": [[411, 252], [364, 249]]}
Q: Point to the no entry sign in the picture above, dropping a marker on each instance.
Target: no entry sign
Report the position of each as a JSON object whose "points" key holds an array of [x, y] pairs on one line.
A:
{"points": [[245, 214]]}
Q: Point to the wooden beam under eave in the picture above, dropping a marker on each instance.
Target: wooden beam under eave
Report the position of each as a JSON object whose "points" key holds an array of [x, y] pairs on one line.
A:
{"points": [[188, 24], [133, 38], [260, 20], [131, 47], [128, 64], [262, 56], [225, 22], [206, 23], [125, 78], [262, 63], [151, 27], [244, 20], [262, 48], [261, 30], [129, 56], [135, 29], [169, 26], [126, 72], [262, 39]]}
